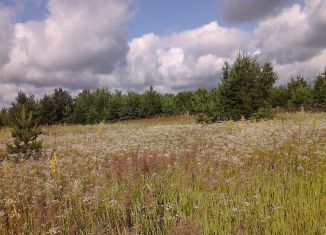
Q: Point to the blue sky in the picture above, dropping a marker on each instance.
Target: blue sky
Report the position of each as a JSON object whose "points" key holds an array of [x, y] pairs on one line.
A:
{"points": [[27, 9], [168, 16], [161, 17]]}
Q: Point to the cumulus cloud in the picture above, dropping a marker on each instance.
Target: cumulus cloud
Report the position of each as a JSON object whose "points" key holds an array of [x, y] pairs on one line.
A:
{"points": [[8, 91], [316, 13], [6, 36], [84, 44], [183, 60], [309, 68], [76, 42], [239, 11], [296, 34]]}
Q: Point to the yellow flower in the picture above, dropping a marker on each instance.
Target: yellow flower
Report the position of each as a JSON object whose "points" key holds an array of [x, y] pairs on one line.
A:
{"points": [[14, 216], [302, 109], [6, 167], [229, 125], [54, 164], [242, 124], [314, 123], [100, 127]]}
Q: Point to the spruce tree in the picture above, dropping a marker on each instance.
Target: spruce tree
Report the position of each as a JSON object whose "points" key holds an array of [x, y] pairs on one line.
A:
{"points": [[25, 133]]}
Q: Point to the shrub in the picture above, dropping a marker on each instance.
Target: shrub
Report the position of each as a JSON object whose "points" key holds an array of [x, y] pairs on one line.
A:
{"points": [[205, 119], [263, 113], [25, 134]]}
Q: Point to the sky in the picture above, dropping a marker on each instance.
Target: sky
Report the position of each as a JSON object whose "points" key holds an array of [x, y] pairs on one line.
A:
{"points": [[133, 44]]}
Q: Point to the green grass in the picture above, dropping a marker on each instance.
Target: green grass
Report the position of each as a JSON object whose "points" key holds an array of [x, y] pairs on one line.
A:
{"points": [[276, 188]]}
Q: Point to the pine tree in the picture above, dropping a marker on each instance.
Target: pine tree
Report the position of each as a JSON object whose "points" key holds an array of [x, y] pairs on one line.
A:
{"points": [[25, 133], [245, 87], [300, 93], [47, 110], [152, 103], [63, 105], [319, 91], [30, 103]]}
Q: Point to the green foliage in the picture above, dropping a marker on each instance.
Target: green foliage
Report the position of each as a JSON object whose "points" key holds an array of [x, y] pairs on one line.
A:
{"points": [[91, 107], [205, 119], [169, 105], [99, 107], [152, 103], [30, 104], [4, 119], [319, 91], [213, 110], [245, 88], [279, 97], [300, 94], [116, 107], [25, 134], [186, 101], [63, 105], [133, 106], [202, 99], [263, 113], [47, 109]]}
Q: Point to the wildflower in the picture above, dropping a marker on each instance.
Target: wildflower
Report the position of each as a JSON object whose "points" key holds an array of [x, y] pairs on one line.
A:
{"points": [[314, 123], [100, 127], [246, 204], [168, 206], [241, 124], [14, 216], [54, 164], [113, 202], [265, 218], [277, 207], [302, 109], [6, 167], [229, 125], [54, 230]]}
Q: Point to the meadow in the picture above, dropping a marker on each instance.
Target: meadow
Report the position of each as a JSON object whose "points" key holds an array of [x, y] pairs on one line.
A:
{"points": [[171, 176]]}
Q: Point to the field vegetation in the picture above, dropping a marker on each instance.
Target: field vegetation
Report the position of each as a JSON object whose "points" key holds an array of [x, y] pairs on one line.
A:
{"points": [[170, 176]]}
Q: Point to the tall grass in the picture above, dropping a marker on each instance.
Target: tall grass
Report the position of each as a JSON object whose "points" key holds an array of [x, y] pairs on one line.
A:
{"points": [[278, 187]]}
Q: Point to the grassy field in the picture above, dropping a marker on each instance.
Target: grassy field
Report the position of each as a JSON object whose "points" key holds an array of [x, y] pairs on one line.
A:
{"points": [[171, 176]]}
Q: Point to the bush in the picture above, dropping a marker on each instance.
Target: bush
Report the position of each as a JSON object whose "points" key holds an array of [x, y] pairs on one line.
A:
{"points": [[205, 119], [262, 114]]}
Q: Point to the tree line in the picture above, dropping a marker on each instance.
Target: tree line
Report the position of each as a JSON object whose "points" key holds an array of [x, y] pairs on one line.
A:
{"points": [[246, 88]]}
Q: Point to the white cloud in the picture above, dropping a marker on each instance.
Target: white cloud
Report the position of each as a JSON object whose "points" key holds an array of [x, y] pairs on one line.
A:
{"points": [[309, 68], [8, 91], [183, 60], [84, 44], [6, 36], [294, 40], [296, 34], [76, 42]]}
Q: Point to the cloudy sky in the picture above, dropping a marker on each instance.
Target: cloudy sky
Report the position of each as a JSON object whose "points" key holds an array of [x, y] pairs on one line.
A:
{"points": [[132, 44]]}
